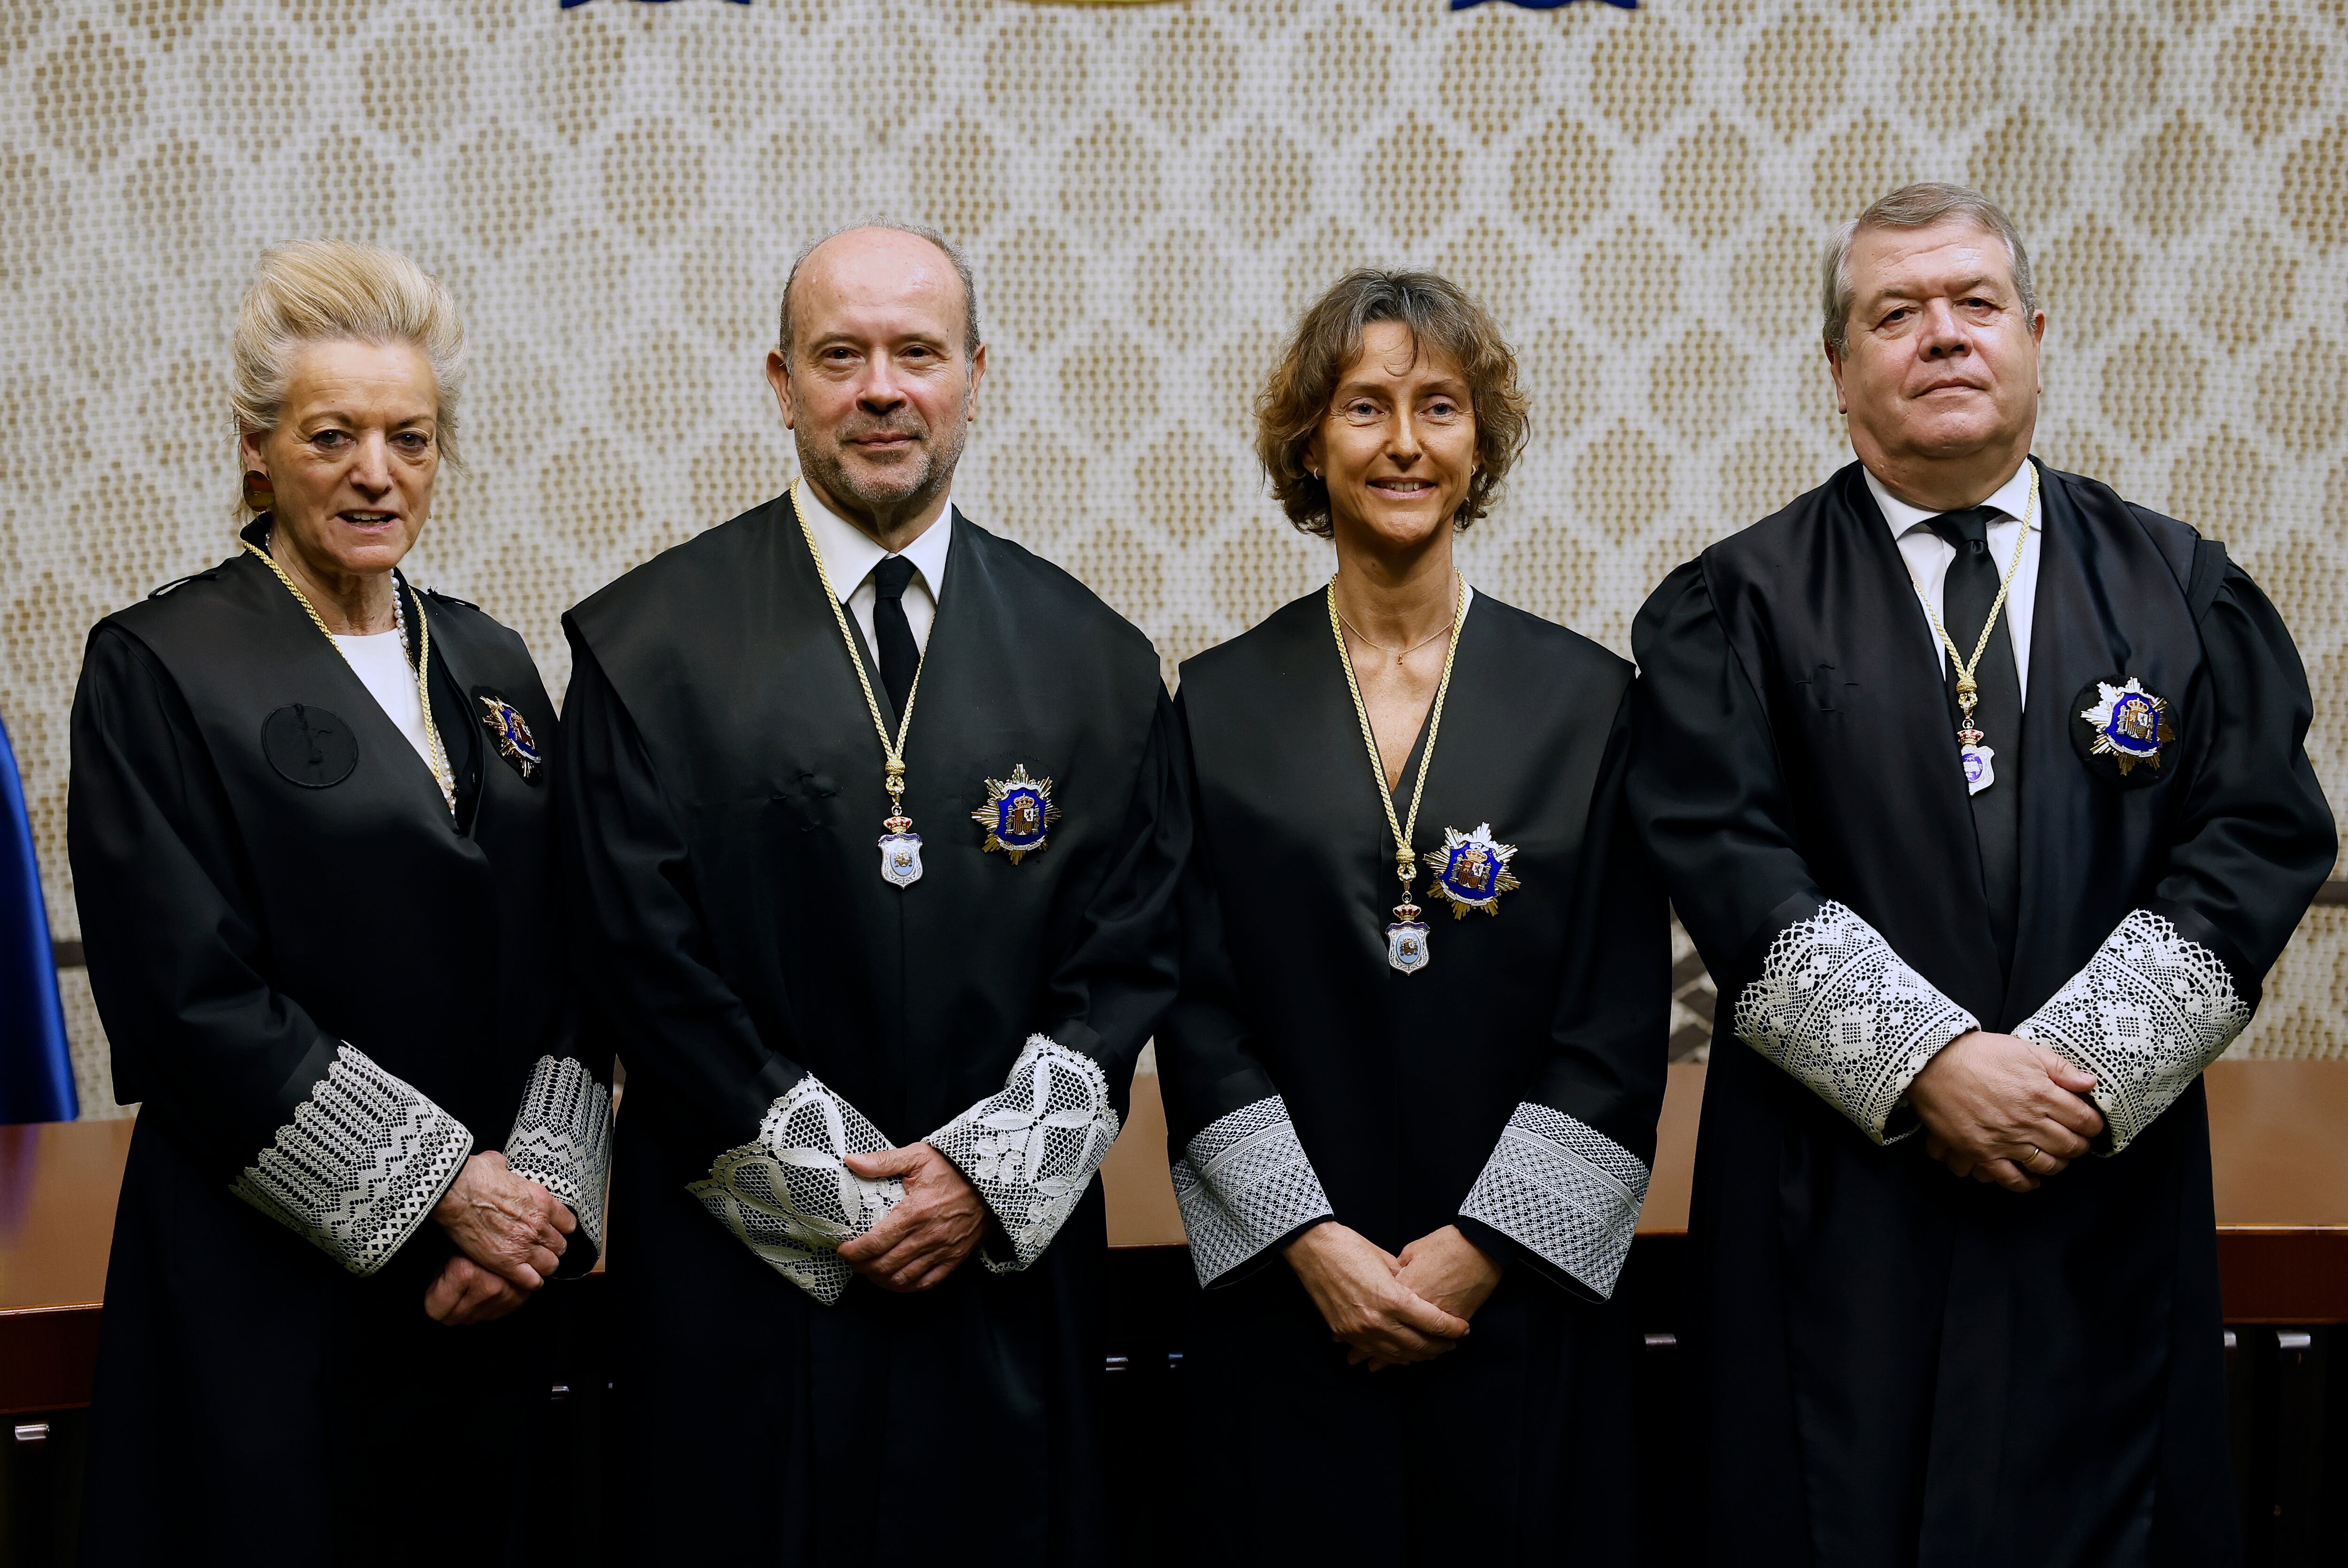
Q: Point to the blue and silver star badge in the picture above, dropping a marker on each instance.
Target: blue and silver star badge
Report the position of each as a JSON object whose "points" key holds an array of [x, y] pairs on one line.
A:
{"points": [[1472, 871], [1018, 814], [510, 732], [2131, 725]]}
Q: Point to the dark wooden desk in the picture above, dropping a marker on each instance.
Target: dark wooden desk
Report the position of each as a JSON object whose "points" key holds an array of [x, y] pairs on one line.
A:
{"points": [[59, 1180], [2279, 1133]]}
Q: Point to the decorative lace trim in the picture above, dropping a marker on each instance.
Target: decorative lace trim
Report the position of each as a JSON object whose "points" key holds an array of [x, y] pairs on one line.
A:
{"points": [[561, 1138], [1243, 1183], [2150, 1010], [1032, 1150], [1835, 1007], [788, 1195], [360, 1166], [1565, 1189]]}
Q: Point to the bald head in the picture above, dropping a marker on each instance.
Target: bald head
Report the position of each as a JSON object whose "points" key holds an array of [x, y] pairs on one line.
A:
{"points": [[877, 375], [878, 264]]}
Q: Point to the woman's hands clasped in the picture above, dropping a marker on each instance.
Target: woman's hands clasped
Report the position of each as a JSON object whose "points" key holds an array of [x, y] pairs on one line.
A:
{"points": [[510, 1234], [1361, 1290]]}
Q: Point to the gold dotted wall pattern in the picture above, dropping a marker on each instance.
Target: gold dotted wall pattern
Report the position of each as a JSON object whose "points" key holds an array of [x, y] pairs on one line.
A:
{"points": [[1149, 193]]}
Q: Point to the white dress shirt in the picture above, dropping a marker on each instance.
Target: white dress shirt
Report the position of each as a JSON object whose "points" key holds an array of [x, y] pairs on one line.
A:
{"points": [[1929, 557], [381, 664], [849, 555]]}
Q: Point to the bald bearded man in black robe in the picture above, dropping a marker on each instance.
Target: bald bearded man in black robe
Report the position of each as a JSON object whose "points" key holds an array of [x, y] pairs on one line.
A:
{"points": [[872, 1066], [1956, 1296]]}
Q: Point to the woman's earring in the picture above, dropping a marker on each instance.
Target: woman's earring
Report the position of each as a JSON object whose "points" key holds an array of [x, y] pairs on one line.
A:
{"points": [[259, 495]]}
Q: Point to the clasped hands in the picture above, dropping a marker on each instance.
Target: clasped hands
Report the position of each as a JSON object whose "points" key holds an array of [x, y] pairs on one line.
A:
{"points": [[2000, 1109], [1385, 1310], [509, 1234], [930, 1230]]}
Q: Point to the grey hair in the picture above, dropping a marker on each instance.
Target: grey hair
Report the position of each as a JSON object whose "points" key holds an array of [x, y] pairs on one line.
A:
{"points": [[1915, 207], [329, 291], [918, 230]]}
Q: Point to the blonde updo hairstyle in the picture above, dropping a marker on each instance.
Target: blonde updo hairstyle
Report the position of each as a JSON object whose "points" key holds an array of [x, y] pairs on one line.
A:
{"points": [[328, 291]]}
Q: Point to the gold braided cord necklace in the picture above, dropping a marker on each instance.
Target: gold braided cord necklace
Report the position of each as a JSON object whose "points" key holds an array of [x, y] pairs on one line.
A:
{"points": [[1969, 689], [1407, 937], [899, 846], [436, 758]]}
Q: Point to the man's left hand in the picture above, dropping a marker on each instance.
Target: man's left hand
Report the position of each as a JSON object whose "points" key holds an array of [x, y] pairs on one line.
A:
{"points": [[926, 1236]]}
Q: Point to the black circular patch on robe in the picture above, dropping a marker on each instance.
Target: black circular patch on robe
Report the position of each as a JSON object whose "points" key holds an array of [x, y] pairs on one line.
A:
{"points": [[309, 745], [2107, 768]]}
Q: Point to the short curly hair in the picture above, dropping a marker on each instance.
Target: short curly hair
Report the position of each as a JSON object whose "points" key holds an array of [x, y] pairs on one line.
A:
{"points": [[1328, 339]]}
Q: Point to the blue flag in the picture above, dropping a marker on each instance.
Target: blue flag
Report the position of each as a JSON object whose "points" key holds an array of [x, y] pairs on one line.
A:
{"points": [[36, 1081]]}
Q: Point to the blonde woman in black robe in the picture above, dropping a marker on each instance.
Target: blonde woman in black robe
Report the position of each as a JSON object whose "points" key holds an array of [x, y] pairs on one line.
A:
{"points": [[312, 843], [1413, 1080]]}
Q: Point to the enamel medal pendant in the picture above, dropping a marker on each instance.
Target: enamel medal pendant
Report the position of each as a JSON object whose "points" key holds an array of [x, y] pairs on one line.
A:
{"points": [[901, 854], [1979, 761], [900, 847], [1406, 948]]}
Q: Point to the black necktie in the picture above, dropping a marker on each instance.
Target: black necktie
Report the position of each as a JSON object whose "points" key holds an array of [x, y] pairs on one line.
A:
{"points": [[899, 656], [1970, 590]]}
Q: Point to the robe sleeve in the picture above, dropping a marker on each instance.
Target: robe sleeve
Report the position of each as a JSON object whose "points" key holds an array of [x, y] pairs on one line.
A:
{"points": [[1241, 1179], [1032, 1150], [1562, 1189], [1829, 1002], [2179, 976], [305, 1127], [646, 971], [561, 1140]]}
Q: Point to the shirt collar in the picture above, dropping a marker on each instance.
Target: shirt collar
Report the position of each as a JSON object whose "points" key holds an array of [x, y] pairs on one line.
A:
{"points": [[2009, 498], [850, 554]]}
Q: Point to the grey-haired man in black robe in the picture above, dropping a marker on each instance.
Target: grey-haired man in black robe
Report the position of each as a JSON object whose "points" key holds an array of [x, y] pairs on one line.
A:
{"points": [[1982, 792], [878, 985]]}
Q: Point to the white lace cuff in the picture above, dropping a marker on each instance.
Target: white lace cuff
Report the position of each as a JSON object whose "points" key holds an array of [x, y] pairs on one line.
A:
{"points": [[788, 1195], [561, 1138], [1835, 1007], [1563, 1189], [360, 1166], [1243, 1183], [1032, 1150], [2150, 1010]]}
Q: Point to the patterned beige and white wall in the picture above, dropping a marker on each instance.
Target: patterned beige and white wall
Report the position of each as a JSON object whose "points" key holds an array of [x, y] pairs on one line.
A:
{"points": [[1150, 192]]}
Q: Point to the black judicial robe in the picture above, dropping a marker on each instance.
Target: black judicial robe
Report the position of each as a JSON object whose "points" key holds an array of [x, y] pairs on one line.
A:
{"points": [[1901, 1366], [781, 1005], [325, 994], [1511, 1087]]}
